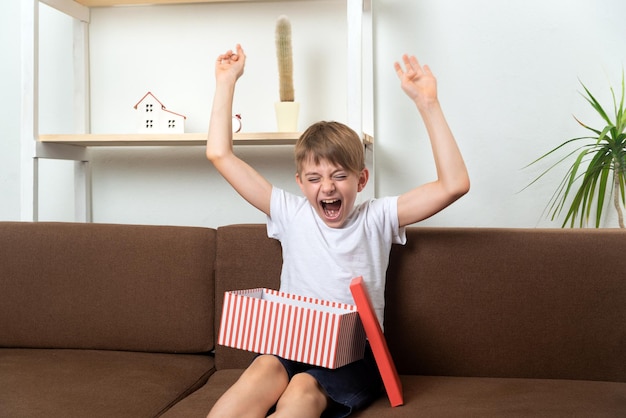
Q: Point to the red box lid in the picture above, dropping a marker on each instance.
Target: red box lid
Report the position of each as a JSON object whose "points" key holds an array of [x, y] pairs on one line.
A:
{"points": [[377, 340]]}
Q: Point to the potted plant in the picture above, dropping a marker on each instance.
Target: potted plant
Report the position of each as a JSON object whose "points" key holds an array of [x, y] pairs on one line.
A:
{"points": [[598, 169], [287, 108]]}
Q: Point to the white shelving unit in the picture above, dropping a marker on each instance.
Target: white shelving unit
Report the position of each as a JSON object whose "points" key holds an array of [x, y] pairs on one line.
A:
{"points": [[75, 147]]}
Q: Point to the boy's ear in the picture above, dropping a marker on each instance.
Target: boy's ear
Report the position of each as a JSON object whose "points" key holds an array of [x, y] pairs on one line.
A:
{"points": [[299, 181], [363, 178]]}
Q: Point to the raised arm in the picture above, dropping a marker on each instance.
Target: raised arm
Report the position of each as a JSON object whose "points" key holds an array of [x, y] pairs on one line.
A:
{"points": [[452, 178], [219, 148]]}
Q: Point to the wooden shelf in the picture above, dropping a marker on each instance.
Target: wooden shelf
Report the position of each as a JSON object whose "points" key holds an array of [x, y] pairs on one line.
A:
{"points": [[104, 3], [74, 147], [138, 140]]}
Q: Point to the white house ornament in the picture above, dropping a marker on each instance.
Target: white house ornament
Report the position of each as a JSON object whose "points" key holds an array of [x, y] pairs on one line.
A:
{"points": [[153, 117]]}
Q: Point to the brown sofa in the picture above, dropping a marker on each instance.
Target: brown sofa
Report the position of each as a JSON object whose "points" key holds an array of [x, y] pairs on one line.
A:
{"points": [[120, 320]]}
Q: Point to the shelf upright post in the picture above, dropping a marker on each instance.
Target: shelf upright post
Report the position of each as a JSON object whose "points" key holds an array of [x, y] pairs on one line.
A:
{"points": [[82, 100], [29, 33], [31, 149], [355, 61], [360, 76]]}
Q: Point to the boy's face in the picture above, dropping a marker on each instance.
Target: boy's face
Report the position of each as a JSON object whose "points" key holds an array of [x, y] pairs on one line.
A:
{"points": [[330, 189]]}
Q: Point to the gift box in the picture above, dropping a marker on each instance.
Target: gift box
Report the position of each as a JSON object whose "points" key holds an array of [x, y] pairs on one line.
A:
{"points": [[307, 330]]}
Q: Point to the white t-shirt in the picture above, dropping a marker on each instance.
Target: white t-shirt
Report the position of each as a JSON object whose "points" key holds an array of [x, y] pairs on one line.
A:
{"points": [[320, 262]]}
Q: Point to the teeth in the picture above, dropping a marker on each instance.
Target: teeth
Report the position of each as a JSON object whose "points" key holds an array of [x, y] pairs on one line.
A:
{"points": [[330, 201]]}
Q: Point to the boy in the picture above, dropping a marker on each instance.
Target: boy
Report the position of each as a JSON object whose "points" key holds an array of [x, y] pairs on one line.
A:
{"points": [[326, 239]]}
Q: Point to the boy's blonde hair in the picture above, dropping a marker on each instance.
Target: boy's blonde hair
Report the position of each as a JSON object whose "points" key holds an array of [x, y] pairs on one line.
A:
{"points": [[333, 142]]}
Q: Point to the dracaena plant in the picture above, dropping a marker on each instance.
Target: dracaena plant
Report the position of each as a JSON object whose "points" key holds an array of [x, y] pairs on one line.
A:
{"points": [[597, 170]]}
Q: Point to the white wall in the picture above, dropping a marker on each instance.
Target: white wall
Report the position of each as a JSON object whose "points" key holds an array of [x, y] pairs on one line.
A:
{"points": [[508, 80]]}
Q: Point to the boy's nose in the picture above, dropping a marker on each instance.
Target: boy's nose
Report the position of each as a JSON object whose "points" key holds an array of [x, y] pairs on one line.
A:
{"points": [[328, 186]]}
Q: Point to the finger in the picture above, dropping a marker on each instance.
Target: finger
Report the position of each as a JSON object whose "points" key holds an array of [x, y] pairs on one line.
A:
{"points": [[409, 70], [407, 61], [239, 54], [224, 56], [398, 68], [415, 65]]}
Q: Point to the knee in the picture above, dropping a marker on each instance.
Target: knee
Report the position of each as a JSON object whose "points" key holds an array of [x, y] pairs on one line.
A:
{"points": [[256, 390], [264, 369], [267, 366], [304, 388]]}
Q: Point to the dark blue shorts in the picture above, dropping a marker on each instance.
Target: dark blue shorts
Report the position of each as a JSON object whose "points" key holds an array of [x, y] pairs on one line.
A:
{"points": [[351, 387]]}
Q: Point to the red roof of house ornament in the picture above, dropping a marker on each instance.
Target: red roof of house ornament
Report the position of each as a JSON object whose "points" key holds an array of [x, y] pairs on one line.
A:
{"points": [[158, 101]]}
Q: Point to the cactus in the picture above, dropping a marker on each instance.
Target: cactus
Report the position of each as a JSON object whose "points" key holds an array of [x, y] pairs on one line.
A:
{"points": [[285, 59]]}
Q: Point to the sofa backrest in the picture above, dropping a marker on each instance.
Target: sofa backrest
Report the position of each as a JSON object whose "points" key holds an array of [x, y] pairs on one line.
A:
{"points": [[535, 303], [246, 259], [97, 286]]}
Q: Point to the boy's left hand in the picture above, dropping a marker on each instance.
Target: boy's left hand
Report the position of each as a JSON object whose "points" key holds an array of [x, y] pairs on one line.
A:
{"points": [[417, 82]]}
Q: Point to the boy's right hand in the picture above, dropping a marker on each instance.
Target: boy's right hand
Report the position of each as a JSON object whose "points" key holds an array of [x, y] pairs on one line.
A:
{"points": [[229, 66]]}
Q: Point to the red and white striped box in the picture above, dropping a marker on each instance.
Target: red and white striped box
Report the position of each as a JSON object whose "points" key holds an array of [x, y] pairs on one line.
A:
{"points": [[298, 328]]}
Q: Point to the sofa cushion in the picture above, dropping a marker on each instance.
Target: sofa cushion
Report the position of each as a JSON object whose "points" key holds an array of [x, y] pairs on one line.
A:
{"points": [[436, 396], [199, 403], [96, 383], [97, 286]]}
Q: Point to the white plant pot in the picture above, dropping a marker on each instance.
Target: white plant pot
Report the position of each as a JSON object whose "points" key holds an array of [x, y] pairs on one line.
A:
{"points": [[287, 116]]}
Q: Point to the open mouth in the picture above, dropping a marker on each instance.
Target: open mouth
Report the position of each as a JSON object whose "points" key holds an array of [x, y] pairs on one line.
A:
{"points": [[331, 208]]}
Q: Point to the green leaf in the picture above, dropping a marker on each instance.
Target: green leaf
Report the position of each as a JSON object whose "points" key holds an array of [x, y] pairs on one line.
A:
{"points": [[601, 194], [585, 186], [596, 105], [621, 187]]}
